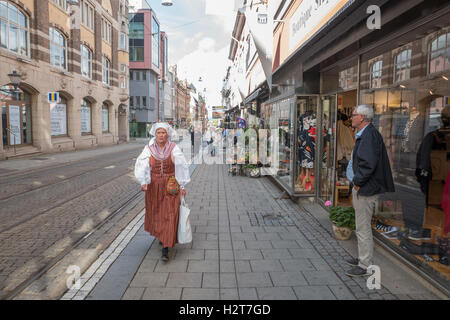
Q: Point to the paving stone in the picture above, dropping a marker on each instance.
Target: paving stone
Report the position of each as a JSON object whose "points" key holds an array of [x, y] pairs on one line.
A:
{"points": [[276, 293], [285, 244], [154, 280], [243, 266], [288, 279], [203, 266], [248, 294], [228, 266], [211, 280], [248, 254], [297, 264], [304, 253], [244, 236], [229, 294], [172, 265], [190, 254], [205, 244], [228, 280], [133, 294], [184, 280], [267, 236], [265, 265], [200, 294], [254, 279], [314, 293], [342, 292], [258, 244], [321, 278], [162, 294]]}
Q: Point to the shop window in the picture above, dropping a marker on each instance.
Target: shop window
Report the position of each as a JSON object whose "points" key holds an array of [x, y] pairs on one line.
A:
{"points": [[105, 118], [375, 74], [14, 29], [86, 108], [402, 67], [440, 53], [86, 62], [58, 118], [348, 78], [58, 49]]}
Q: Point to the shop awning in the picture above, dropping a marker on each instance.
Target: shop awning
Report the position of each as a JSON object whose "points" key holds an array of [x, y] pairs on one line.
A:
{"points": [[253, 96]]}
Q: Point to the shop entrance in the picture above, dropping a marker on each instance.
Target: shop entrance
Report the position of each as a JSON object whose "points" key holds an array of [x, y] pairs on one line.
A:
{"points": [[16, 123], [345, 141]]}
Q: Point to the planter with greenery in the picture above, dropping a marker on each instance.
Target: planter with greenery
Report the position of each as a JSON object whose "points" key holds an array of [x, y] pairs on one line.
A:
{"points": [[343, 219]]}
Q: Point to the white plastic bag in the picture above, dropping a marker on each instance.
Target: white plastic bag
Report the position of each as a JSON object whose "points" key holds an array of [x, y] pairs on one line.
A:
{"points": [[184, 226]]}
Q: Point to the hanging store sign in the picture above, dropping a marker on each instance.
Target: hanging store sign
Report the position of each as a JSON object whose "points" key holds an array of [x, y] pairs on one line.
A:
{"points": [[309, 17], [58, 119], [14, 124]]}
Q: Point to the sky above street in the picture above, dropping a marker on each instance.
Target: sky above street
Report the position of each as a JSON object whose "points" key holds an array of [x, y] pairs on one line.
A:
{"points": [[198, 40]]}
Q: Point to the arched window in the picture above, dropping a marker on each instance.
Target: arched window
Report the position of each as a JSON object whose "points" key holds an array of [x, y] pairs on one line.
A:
{"points": [[58, 49], [375, 74], [86, 62], [86, 108], [402, 66], [105, 118], [440, 53], [14, 29]]}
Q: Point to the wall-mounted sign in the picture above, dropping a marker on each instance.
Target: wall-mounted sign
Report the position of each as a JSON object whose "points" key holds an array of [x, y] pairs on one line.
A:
{"points": [[53, 97], [309, 17]]}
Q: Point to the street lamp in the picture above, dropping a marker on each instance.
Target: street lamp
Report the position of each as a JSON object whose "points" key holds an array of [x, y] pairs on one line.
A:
{"points": [[166, 3], [15, 77]]}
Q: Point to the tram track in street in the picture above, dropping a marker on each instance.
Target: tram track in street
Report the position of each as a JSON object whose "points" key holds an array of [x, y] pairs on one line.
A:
{"points": [[25, 177], [132, 202]]}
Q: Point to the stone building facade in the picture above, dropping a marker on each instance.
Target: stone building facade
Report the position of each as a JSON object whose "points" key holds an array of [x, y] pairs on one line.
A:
{"points": [[79, 51]]}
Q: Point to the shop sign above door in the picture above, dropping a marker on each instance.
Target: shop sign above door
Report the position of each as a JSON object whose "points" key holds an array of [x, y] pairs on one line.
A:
{"points": [[309, 17]]}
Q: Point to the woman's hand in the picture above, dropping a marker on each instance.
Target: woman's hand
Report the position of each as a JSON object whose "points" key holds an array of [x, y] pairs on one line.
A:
{"points": [[183, 192], [144, 187]]}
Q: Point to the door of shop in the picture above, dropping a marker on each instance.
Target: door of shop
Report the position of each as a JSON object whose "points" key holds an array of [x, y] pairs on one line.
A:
{"points": [[327, 147], [16, 124]]}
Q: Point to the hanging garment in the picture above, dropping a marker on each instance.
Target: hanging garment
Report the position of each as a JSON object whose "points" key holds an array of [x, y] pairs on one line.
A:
{"points": [[346, 141], [446, 204]]}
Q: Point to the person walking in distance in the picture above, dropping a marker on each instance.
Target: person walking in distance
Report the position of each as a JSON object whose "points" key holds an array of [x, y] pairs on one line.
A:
{"points": [[369, 171], [159, 162]]}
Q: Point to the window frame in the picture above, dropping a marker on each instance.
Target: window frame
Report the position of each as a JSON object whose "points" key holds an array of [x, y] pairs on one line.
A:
{"points": [[404, 64], [105, 107], [85, 103], [62, 4], [377, 71], [106, 31], [106, 71], [445, 50], [57, 45], [82, 46], [125, 43], [7, 23], [87, 20]]}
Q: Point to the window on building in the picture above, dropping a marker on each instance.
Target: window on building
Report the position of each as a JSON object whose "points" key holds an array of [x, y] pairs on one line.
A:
{"points": [[14, 29], [123, 41], [138, 101], [105, 118], [144, 75], [131, 75], [123, 68], [402, 67], [138, 76], [86, 108], [440, 53], [106, 71], [106, 31], [58, 49], [86, 62], [58, 118], [87, 14], [155, 42], [131, 101], [123, 82], [136, 42], [144, 101], [375, 74], [62, 4]]}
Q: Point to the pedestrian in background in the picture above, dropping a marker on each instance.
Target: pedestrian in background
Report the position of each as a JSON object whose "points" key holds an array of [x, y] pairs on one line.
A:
{"points": [[160, 160], [370, 172]]}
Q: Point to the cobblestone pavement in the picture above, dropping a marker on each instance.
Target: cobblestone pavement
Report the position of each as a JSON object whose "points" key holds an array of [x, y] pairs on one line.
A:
{"points": [[247, 245], [45, 212]]}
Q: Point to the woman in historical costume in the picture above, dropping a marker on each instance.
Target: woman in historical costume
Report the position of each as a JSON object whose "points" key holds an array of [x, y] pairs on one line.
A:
{"points": [[159, 160]]}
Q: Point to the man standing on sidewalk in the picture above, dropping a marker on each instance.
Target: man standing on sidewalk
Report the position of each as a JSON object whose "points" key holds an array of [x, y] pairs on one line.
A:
{"points": [[370, 172]]}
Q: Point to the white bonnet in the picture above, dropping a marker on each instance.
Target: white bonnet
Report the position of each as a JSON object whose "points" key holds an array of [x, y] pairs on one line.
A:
{"points": [[170, 131]]}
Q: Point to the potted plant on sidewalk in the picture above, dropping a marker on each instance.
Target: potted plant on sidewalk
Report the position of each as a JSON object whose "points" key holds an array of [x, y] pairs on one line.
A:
{"points": [[343, 219]]}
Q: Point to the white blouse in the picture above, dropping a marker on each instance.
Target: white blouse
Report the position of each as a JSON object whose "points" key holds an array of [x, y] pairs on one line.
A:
{"points": [[142, 166]]}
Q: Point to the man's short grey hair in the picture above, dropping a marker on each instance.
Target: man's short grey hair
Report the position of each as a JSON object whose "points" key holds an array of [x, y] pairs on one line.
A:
{"points": [[366, 110]]}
